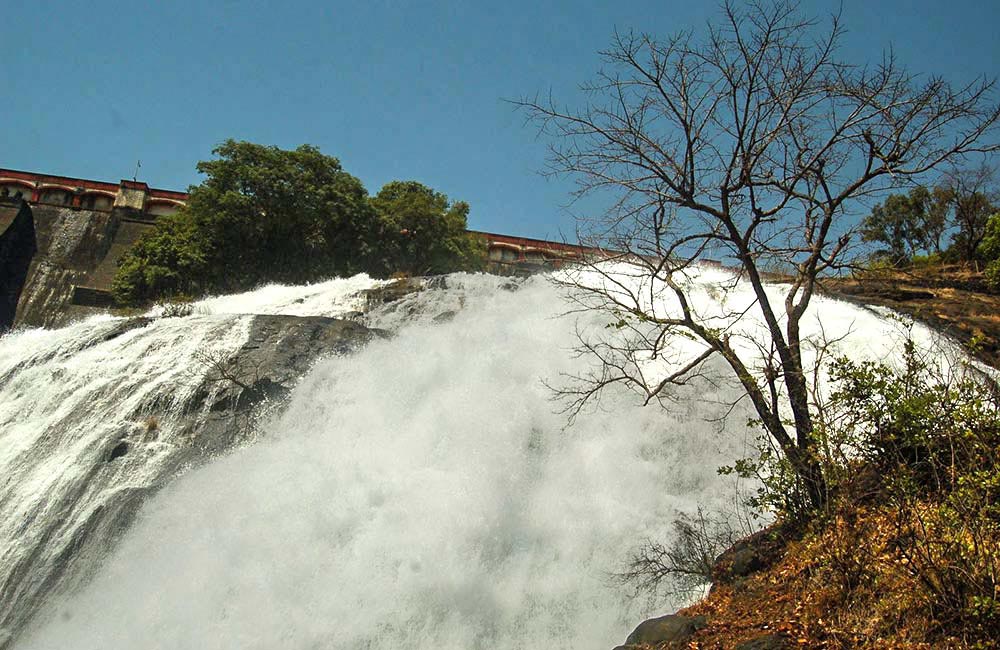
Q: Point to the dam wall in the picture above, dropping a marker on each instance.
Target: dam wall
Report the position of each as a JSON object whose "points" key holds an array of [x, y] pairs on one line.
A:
{"points": [[60, 254], [59, 262]]}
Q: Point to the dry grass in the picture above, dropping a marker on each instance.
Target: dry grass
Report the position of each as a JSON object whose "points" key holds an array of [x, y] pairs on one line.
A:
{"points": [[844, 585]]}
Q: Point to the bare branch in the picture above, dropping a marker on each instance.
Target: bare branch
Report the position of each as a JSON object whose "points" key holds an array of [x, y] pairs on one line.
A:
{"points": [[754, 143]]}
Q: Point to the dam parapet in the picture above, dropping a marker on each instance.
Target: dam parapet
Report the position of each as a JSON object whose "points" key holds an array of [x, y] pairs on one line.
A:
{"points": [[82, 228]]}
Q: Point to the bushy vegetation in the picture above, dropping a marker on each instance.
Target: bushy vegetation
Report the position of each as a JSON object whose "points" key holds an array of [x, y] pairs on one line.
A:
{"points": [[904, 552], [958, 206], [428, 232], [989, 249], [264, 214], [908, 544], [935, 443]]}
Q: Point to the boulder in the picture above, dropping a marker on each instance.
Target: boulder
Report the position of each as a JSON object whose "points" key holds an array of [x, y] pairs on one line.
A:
{"points": [[672, 628], [750, 555]]}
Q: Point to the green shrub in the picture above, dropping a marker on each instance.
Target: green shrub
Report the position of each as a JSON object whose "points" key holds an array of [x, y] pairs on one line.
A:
{"points": [[929, 261], [935, 441], [992, 275], [876, 268], [921, 446], [989, 250], [171, 260]]}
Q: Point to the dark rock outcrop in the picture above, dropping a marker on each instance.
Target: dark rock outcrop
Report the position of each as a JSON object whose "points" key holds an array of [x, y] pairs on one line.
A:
{"points": [[71, 259], [395, 290], [72, 245], [17, 248], [750, 555], [673, 629], [280, 349]]}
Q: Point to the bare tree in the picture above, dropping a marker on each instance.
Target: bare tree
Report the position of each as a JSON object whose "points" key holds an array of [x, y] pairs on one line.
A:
{"points": [[242, 382], [753, 142]]}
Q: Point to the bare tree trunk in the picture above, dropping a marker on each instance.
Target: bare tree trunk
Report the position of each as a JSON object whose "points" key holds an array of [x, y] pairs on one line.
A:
{"points": [[753, 142]]}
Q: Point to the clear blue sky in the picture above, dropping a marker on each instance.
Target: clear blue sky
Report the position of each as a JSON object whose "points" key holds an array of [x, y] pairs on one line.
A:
{"points": [[396, 90]]}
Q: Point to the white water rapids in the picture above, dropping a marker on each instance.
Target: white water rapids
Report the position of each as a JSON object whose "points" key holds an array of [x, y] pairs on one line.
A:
{"points": [[420, 493]]}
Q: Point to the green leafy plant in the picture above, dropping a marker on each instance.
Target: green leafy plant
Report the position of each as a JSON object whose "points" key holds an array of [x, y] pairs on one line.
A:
{"points": [[989, 249], [265, 214], [911, 456], [934, 438]]}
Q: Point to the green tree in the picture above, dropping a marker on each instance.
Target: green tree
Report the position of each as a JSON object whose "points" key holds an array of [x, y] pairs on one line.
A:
{"points": [[989, 251], [906, 223], [267, 214], [970, 197], [171, 261], [264, 214], [424, 232]]}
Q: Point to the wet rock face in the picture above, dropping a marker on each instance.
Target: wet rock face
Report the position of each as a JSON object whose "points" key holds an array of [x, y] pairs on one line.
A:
{"points": [[71, 245], [280, 349], [17, 248], [86, 512], [397, 289]]}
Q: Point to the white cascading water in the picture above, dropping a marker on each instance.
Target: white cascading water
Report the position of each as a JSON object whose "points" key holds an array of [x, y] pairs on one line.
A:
{"points": [[420, 493]]}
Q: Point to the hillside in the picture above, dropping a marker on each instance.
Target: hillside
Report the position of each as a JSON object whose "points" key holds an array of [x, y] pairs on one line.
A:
{"points": [[900, 540], [951, 300]]}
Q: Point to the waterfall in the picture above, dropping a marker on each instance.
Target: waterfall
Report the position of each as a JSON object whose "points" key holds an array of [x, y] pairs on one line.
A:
{"points": [[422, 492]]}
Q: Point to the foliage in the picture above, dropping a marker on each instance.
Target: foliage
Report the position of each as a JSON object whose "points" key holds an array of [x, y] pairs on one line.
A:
{"points": [[264, 214], [428, 232], [936, 441], [172, 259], [273, 215], [927, 262], [780, 488], [971, 195], [962, 201], [750, 142], [906, 223], [989, 249], [913, 457]]}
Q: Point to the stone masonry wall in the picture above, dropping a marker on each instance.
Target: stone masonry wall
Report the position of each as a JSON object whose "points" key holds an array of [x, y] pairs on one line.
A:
{"points": [[75, 249]]}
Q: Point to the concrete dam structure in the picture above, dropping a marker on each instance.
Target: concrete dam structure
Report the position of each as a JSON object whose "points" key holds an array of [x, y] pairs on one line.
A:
{"points": [[61, 239]]}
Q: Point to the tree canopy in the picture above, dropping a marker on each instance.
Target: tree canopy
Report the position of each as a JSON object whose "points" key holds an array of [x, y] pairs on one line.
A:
{"points": [[426, 224], [907, 223], [959, 203], [265, 214], [989, 250]]}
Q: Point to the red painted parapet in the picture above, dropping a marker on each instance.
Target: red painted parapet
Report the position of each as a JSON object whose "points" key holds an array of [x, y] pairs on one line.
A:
{"points": [[137, 196], [88, 194], [509, 251]]}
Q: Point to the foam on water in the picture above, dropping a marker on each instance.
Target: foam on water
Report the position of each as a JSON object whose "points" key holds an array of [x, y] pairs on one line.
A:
{"points": [[336, 297], [423, 493]]}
